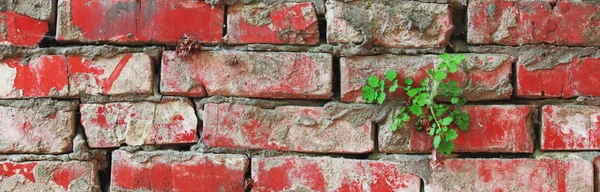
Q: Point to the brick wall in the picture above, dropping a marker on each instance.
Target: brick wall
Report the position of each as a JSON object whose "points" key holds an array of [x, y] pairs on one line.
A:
{"points": [[94, 95]]}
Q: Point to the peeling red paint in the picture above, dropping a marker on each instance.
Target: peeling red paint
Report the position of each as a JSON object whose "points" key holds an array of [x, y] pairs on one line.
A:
{"points": [[493, 128], [570, 127], [146, 21], [248, 74], [290, 23], [330, 174], [507, 174], [290, 128], [42, 76], [199, 173], [22, 30]]}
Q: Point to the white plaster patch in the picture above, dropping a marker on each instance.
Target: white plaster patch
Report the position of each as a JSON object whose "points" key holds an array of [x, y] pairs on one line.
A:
{"points": [[7, 79], [576, 126]]}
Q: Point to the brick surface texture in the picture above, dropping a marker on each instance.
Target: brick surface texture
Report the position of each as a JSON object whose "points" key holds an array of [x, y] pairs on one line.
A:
{"points": [[232, 95]]}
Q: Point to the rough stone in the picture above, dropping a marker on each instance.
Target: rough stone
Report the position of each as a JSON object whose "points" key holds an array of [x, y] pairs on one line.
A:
{"points": [[286, 128], [177, 171], [286, 23], [37, 126], [49, 176], [482, 76], [493, 128], [248, 74], [170, 121], [330, 174]]}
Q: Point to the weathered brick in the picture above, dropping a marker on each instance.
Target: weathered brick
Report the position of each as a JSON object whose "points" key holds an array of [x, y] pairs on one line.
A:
{"points": [[25, 22], [286, 23], [482, 76], [510, 22], [512, 175], [171, 121], [177, 171], [570, 127], [597, 171], [409, 24], [330, 174], [494, 128], [43, 76], [572, 23], [130, 73], [248, 74], [285, 128], [37, 126], [570, 79], [135, 21], [49, 176], [577, 22]]}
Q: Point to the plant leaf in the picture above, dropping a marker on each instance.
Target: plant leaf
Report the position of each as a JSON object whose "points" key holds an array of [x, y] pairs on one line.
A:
{"points": [[416, 110], [373, 81], [440, 75], [446, 148], [394, 86], [445, 56], [381, 97], [446, 121], [394, 126], [454, 100], [436, 141], [451, 135], [390, 75], [408, 81]]}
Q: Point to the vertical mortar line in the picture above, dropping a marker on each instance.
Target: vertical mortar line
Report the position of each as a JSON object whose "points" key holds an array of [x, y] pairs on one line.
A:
{"points": [[422, 184], [200, 122], [336, 78], [248, 176], [224, 27], [322, 28]]}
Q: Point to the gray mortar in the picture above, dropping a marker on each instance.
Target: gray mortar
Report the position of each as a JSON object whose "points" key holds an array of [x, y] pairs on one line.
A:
{"points": [[336, 50], [319, 4], [418, 165], [528, 55], [90, 52]]}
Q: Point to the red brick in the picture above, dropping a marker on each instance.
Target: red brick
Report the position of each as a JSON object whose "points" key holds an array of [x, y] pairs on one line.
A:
{"points": [[494, 128], [408, 24], [43, 76], [21, 30], [286, 128], [330, 174], [597, 171], [577, 23], [570, 127], [482, 76], [510, 22], [286, 23], [61, 76], [49, 176], [512, 175], [37, 126], [130, 73], [177, 171], [566, 80], [171, 121], [248, 74], [135, 21]]}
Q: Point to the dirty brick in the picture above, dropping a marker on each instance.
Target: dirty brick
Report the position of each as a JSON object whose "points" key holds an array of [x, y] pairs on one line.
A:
{"points": [[171, 121], [558, 80], [62, 76], [572, 23], [510, 22], [135, 21], [130, 73], [177, 171], [570, 127], [409, 24], [49, 176], [481, 76], [286, 23], [25, 23], [37, 126], [248, 74], [512, 175], [285, 128], [330, 174], [494, 128]]}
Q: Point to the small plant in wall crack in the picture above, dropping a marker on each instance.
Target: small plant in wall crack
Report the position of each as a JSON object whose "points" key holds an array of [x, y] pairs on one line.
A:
{"points": [[440, 120]]}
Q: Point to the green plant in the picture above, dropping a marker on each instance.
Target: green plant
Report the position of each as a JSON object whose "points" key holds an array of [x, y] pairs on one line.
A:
{"points": [[440, 120]]}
